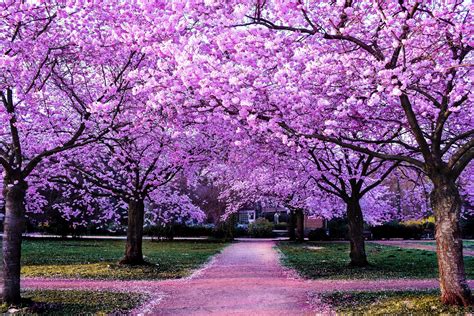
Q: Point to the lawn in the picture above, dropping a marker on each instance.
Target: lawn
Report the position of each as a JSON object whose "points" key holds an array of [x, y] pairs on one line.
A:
{"points": [[390, 303], [331, 261], [467, 244], [51, 302], [97, 259]]}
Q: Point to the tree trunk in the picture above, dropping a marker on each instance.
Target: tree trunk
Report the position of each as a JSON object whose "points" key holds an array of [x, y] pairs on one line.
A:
{"points": [[446, 203], [356, 233], [291, 226], [133, 248], [228, 227], [299, 225], [170, 232], [14, 193]]}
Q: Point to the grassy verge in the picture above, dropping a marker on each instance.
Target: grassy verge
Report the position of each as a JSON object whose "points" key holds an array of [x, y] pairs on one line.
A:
{"points": [[390, 303], [467, 244], [51, 302], [331, 261], [97, 259]]}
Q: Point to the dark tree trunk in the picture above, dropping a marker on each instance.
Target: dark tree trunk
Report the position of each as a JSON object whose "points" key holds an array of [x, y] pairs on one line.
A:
{"points": [[170, 232], [228, 227], [133, 248], [299, 225], [14, 192], [356, 233], [291, 226], [446, 203]]}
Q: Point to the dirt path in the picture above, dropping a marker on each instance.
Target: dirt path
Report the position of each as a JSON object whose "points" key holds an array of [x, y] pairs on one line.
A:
{"points": [[416, 244], [245, 279]]}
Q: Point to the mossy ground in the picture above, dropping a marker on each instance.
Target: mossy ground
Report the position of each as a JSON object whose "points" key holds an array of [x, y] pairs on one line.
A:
{"points": [[331, 261], [51, 302], [97, 259], [390, 303]]}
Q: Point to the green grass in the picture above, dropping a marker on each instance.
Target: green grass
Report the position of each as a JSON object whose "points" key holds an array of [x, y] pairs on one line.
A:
{"points": [[467, 244], [51, 302], [331, 261], [390, 303], [97, 259]]}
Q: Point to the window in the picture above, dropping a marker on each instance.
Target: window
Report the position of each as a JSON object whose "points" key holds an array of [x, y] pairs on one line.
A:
{"points": [[251, 215], [243, 217], [246, 217]]}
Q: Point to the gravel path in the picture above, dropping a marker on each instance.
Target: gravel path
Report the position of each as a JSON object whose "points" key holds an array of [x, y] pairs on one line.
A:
{"points": [[416, 244], [245, 279]]}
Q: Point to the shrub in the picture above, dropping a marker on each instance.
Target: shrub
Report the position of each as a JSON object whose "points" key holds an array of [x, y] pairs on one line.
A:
{"points": [[318, 234], [159, 231], [178, 230], [281, 226], [261, 228], [193, 231], [338, 228], [225, 230], [241, 231], [400, 230]]}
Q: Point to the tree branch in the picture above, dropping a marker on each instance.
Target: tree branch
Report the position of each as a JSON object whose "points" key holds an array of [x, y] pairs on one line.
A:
{"points": [[356, 148]]}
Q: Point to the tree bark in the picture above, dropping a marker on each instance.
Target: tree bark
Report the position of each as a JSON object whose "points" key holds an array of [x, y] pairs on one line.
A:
{"points": [[356, 233], [299, 225], [133, 248], [14, 192], [446, 203], [291, 226]]}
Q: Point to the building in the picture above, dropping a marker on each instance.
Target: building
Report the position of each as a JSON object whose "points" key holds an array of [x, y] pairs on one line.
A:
{"points": [[278, 216], [247, 216]]}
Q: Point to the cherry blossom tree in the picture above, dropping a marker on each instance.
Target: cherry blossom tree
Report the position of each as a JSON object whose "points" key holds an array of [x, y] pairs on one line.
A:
{"points": [[145, 85], [66, 70], [55, 82], [169, 207], [66, 211], [422, 77], [350, 176], [205, 193], [298, 177], [132, 165], [386, 79]]}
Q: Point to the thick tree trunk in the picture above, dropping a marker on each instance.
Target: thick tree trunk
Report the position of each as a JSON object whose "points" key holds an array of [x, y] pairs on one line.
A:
{"points": [[446, 203], [133, 248], [14, 193], [291, 226], [356, 233], [299, 225]]}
